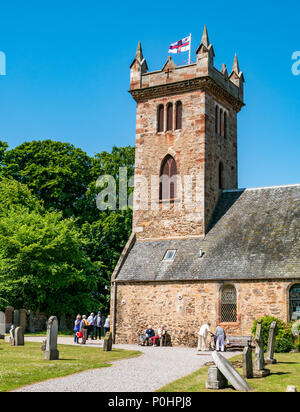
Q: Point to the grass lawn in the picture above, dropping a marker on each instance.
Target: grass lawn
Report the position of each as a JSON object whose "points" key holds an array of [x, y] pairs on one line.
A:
{"points": [[24, 365], [285, 372]]}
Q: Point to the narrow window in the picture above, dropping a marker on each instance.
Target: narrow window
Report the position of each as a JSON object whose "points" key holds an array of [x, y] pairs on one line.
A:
{"points": [[178, 115], [221, 130], [160, 118], [168, 181], [221, 176], [217, 119], [170, 116], [225, 125], [228, 304]]}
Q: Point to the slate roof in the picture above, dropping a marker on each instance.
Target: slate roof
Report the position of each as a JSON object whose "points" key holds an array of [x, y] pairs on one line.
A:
{"points": [[254, 234]]}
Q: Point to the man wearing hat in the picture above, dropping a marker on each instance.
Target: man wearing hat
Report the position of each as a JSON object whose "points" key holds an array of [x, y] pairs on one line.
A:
{"points": [[97, 325]]}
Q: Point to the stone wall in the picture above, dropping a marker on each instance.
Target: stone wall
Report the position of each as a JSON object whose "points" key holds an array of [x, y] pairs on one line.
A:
{"points": [[157, 303]]}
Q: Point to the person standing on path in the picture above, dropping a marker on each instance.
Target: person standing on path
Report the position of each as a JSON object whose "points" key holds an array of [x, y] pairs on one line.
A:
{"points": [[202, 337], [107, 325], [220, 336], [97, 325], [90, 330], [83, 329], [77, 328]]}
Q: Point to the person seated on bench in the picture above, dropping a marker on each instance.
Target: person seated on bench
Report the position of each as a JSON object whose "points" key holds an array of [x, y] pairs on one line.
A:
{"points": [[149, 333], [162, 334]]}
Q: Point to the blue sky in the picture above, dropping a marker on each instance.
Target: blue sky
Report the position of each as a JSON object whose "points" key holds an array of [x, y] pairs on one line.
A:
{"points": [[68, 72]]}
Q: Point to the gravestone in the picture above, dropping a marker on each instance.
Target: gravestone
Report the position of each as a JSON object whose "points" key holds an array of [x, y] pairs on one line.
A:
{"points": [[230, 373], [9, 310], [2, 325], [259, 370], [31, 318], [271, 344], [16, 318], [107, 344], [215, 379], [19, 336], [247, 363], [12, 335], [50, 347], [23, 321]]}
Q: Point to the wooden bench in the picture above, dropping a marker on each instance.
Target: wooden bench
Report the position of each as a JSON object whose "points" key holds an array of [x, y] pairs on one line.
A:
{"points": [[238, 342]]}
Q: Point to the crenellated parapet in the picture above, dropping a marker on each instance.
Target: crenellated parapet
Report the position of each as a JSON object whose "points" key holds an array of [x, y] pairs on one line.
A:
{"points": [[172, 79]]}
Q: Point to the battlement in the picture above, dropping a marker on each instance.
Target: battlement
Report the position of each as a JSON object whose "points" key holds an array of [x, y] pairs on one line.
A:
{"points": [[172, 79]]}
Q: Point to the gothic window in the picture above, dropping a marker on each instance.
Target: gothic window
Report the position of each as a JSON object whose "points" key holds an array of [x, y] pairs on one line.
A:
{"points": [[170, 116], [217, 119], [221, 124], [221, 176], [295, 302], [228, 304], [168, 181], [225, 125], [178, 115], [160, 118]]}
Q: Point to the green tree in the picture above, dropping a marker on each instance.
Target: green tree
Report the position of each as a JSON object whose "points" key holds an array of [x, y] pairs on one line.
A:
{"points": [[58, 173], [43, 262]]}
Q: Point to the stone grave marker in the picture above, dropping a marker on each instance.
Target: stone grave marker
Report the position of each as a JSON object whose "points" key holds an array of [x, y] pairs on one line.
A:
{"points": [[259, 370], [9, 310], [247, 363], [16, 318], [50, 346], [215, 379], [31, 318], [23, 320], [19, 336], [107, 344], [230, 373], [2, 325], [271, 343]]}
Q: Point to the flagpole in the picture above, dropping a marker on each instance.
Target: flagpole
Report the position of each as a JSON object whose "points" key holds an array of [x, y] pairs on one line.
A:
{"points": [[190, 48]]}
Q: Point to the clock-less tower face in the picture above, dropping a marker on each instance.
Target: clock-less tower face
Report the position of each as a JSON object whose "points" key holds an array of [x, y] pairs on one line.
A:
{"points": [[186, 143]]}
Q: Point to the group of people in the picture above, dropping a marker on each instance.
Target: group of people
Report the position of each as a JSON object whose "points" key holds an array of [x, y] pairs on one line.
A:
{"points": [[151, 338], [91, 326], [217, 341]]}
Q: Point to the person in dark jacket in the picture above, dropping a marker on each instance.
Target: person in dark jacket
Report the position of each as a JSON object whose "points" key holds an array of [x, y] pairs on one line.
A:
{"points": [[149, 333]]}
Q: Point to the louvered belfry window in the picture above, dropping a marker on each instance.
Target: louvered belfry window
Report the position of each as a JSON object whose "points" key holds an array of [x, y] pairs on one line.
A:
{"points": [[170, 116], [168, 181], [160, 118], [228, 304], [178, 115]]}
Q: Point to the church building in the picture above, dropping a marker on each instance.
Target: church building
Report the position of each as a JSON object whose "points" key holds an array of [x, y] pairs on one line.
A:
{"points": [[201, 249]]}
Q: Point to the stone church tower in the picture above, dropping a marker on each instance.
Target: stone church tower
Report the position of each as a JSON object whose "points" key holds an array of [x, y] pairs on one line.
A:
{"points": [[186, 120], [201, 249]]}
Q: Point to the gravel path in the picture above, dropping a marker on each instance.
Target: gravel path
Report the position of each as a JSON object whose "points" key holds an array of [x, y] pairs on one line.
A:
{"points": [[156, 367]]}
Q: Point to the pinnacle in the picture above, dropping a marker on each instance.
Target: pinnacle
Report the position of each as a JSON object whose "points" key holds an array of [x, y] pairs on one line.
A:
{"points": [[236, 67], [139, 52], [205, 40]]}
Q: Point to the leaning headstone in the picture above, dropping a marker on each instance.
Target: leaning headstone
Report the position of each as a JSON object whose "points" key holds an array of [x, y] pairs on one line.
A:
{"points": [[19, 336], [23, 320], [291, 388], [2, 325], [50, 348], [259, 370], [12, 335], [107, 344], [215, 379], [9, 310], [230, 373], [247, 363], [271, 344], [16, 318]]}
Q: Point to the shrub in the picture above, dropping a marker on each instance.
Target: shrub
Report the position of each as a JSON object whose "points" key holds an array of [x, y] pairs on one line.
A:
{"points": [[284, 337]]}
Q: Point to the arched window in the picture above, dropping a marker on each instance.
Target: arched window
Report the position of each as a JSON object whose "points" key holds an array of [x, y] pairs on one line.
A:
{"points": [[217, 119], [221, 176], [295, 302], [225, 125], [221, 130], [170, 116], [168, 179], [160, 118], [228, 304], [178, 115]]}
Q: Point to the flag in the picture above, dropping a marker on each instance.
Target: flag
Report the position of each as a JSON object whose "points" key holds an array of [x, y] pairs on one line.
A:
{"points": [[180, 46]]}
